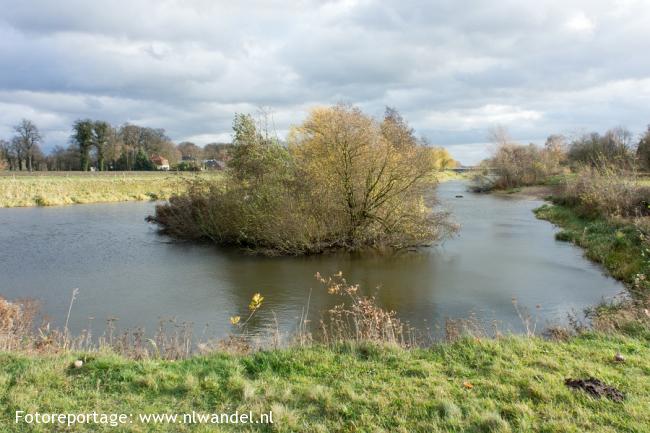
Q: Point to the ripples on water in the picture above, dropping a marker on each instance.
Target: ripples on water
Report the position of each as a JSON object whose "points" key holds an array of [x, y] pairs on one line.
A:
{"points": [[124, 268]]}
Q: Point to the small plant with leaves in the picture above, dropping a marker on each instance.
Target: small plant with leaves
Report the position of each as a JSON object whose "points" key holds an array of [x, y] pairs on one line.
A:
{"points": [[255, 304]]}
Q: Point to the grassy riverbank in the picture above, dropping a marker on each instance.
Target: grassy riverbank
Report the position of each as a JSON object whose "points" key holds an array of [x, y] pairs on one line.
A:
{"points": [[617, 245], [503, 385], [76, 188]]}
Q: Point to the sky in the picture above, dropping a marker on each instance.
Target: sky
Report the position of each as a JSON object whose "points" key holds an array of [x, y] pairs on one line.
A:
{"points": [[453, 68]]}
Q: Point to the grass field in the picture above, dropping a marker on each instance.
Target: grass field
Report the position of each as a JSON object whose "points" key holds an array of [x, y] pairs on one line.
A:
{"points": [[504, 385], [22, 189], [75, 188]]}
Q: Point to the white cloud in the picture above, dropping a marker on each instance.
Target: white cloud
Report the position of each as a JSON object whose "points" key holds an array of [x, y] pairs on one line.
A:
{"points": [[580, 23], [453, 69], [482, 117]]}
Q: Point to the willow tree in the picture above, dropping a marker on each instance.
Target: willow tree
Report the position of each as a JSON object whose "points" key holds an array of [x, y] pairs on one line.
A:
{"points": [[370, 173]]}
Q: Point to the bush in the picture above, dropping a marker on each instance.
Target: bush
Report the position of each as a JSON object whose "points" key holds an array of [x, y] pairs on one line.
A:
{"points": [[514, 165], [606, 191], [517, 165], [344, 181]]}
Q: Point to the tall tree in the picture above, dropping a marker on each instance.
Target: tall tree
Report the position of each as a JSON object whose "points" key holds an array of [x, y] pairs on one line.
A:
{"points": [[83, 138], [138, 140], [612, 148], [27, 139], [371, 177], [18, 153], [101, 136]]}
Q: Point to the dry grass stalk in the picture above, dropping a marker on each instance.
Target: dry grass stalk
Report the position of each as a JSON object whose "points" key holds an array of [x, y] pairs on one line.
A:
{"points": [[360, 318]]}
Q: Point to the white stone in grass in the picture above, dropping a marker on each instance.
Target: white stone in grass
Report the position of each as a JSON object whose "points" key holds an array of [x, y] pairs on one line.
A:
{"points": [[78, 363]]}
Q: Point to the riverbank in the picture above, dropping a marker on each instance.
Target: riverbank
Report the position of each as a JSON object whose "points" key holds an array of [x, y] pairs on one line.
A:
{"points": [[77, 188], [617, 245], [503, 385]]}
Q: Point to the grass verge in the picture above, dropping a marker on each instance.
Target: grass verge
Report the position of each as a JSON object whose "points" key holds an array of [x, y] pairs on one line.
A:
{"points": [[51, 190], [502, 385]]}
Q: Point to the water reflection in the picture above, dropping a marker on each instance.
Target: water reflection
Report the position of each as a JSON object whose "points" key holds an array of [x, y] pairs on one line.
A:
{"points": [[124, 269]]}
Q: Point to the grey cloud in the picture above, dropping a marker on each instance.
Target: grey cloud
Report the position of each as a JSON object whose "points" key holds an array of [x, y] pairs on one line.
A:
{"points": [[453, 68]]}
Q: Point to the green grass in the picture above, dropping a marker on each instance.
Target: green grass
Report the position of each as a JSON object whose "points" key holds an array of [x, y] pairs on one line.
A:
{"points": [[73, 188], [617, 246], [517, 386]]}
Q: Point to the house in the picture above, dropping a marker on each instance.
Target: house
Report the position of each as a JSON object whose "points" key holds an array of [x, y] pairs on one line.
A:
{"points": [[160, 162]]}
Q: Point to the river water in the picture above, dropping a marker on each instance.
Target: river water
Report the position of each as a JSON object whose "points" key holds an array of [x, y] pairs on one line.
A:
{"points": [[124, 269]]}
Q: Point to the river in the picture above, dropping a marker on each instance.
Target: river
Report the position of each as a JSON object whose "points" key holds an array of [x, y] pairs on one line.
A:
{"points": [[124, 269]]}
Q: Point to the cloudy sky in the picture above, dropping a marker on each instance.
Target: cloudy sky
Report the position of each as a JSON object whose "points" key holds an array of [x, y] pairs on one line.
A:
{"points": [[454, 68]]}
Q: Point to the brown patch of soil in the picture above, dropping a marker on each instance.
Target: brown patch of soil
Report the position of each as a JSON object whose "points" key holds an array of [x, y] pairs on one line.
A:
{"points": [[596, 388]]}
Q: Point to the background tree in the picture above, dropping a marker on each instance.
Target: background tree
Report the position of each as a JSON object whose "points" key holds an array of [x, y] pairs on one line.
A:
{"points": [[18, 152], [142, 161], [4, 154], [63, 159], [129, 136], [218, 151], [614, 148], [556, 148], [519, 165], [83, 137], [190, 151], [442, 159], [643, 150], [101, 138], [137, 140], [256, 154], [168, 150], [26, 141], [7, 158]]}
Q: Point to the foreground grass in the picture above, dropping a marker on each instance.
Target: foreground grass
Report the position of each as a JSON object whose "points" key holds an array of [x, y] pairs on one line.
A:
{"points": [[616, 245], [56, 189], [503, 385]]}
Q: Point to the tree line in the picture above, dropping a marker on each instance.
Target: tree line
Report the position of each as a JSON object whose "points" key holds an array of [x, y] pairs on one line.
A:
{"points": [[98, 145], [519, 165]]}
